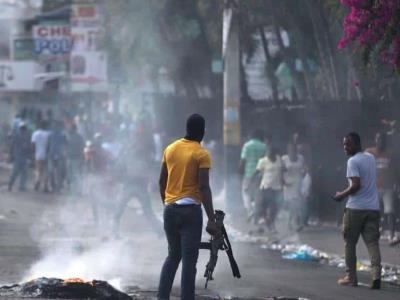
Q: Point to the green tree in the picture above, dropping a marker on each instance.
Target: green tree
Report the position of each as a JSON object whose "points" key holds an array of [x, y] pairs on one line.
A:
{"points": [[176, 35]]}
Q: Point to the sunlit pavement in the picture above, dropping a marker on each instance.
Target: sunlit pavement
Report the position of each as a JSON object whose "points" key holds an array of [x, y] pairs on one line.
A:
{"points": [[26, 216]]}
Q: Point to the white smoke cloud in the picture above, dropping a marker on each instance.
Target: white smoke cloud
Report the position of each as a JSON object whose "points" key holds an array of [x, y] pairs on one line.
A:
{"points": [[103, 261], [73, 247]]}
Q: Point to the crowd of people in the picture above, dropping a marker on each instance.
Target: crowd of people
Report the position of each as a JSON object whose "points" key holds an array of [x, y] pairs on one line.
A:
{"points": [[273, 182], [68, 157], [116, 159]]}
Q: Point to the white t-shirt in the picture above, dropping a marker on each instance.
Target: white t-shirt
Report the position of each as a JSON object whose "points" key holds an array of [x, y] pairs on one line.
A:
{"points": [[271, 173], [293, 175], [305, 188], [40, 138], [186, 201], [363, 165]]}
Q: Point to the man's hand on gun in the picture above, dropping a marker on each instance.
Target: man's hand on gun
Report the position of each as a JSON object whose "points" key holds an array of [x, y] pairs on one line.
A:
{"points": [[213, 229], [219, 241]]}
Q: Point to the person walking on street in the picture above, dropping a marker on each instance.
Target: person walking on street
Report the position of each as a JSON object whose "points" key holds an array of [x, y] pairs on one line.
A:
{"points": [[184, 186], [40, 139], [267, 203], [20, 151], [251, 153], [75, 159], [98, 176], [361, 215], [293, 172], [385, 181], [57, 156], [133, 166]]}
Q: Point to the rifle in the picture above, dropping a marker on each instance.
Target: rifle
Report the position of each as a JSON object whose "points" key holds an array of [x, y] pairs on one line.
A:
{"points": [[219, 243]]}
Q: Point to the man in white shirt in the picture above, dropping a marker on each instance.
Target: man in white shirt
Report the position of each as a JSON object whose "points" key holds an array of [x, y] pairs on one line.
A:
{"points": [[293, 172], [271, 184], [40, 139], [361, 216]]}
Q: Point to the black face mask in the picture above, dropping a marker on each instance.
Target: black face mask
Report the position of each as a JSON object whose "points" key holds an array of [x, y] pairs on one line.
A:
{"points": [[194, 138], [195, 135]]}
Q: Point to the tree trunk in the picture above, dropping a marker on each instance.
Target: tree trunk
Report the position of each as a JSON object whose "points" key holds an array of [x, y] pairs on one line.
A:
{"points": [[321, 52], [329, 47], [299, 86], [243, 80], [299, 45], [270, 69], [306, 73], [354, 80], [348, 83], [206, 45]]}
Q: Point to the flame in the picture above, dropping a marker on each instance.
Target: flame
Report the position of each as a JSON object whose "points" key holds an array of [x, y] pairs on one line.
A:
{"points": [[75, 280]]}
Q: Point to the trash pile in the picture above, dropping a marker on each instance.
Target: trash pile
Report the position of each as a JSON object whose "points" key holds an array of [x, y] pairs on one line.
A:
{"points": [[304, 253], [390, 273]]}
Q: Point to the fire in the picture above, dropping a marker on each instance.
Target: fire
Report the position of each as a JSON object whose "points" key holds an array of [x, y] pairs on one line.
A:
{"points": [[75, 280]]}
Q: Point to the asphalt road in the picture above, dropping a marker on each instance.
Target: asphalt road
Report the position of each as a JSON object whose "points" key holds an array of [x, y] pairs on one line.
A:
{"points": [[34, 225]]}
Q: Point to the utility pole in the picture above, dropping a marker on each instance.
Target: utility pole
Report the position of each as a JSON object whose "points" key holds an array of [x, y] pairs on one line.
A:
{"points": [[232, 93]]}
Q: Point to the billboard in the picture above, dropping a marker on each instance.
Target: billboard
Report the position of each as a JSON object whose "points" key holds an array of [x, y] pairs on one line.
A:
{"points": [[88, 71], [86, 39], [52, 39], [88, 63], [86, 15], [19, 76]]}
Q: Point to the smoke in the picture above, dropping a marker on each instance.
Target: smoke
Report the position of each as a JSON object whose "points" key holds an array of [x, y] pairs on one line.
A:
{"points": [[101, 261], [73, 246]]}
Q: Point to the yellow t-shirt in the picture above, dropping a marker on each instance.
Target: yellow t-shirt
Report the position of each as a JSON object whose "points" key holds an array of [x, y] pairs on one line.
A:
{"points": [[184, 158]]}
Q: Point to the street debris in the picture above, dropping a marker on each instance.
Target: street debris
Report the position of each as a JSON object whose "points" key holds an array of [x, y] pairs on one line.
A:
{"points": [[390, 273], [54, 288], [302, 252]]}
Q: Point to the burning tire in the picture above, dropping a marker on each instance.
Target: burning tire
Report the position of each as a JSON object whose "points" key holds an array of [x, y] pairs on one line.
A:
{"points": [[54, 288]]}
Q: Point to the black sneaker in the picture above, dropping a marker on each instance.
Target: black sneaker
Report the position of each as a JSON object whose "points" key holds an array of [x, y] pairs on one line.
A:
{"points": [[375, 285]]}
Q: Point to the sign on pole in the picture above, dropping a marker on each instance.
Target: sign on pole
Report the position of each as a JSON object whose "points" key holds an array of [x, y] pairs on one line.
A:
{"points": [[88, 62], [52, 39]]}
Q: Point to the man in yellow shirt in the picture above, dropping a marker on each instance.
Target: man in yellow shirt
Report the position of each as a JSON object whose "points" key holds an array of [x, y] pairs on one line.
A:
{"points": [[184, 186]]}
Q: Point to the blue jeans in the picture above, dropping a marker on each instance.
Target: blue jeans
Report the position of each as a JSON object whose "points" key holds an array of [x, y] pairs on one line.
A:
{"points": [[183, 226], [74, 173], [20, 169], [57, 170]]}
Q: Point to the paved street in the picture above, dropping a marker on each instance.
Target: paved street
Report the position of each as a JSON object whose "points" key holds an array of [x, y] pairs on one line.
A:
{"points": [[32, 223]]}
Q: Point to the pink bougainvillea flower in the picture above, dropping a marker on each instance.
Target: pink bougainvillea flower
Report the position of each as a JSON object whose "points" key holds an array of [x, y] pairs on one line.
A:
{"points": [[371, 24]]}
